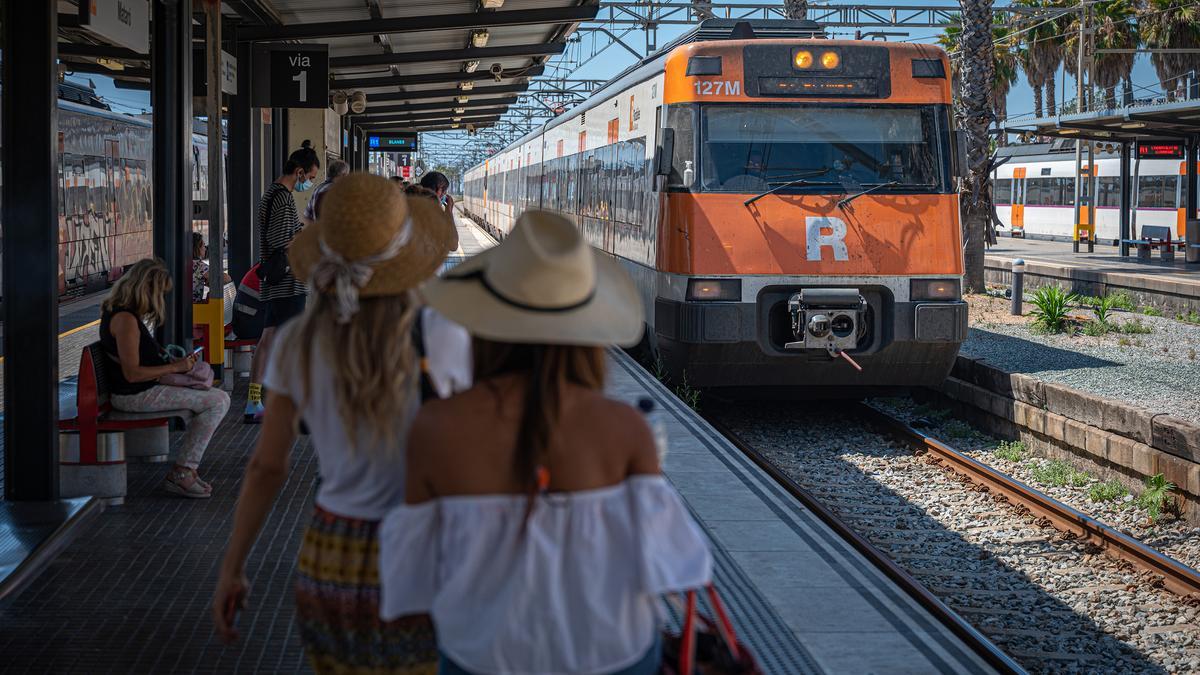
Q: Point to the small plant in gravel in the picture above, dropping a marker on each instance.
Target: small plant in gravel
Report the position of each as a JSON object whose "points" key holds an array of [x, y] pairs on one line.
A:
{"points": [[1058, 473], [1135, 327], [959, 429], [688, 394], [1051, 304], [1191, 355], [1190, 317], [1108, 491], [1157, 497], [1103, 309], [1120, 300], [1150, 310], [1013, 451], [1096, 328], [1125, 342], [930, 412]]}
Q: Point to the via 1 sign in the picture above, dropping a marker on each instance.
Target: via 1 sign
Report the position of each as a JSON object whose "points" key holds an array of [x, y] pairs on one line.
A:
{"points": [[291, 76]]}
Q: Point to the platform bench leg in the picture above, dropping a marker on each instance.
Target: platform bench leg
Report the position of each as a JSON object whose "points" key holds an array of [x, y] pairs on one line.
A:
{"points": [[107, 479], [1143, 252], [1168, 253], [150, 445]]}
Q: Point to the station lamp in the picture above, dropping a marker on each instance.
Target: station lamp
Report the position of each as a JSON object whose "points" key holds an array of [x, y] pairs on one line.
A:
{"points": [[459, 111], [466, 86], [340, 103], [492, 4], [456, 119], [479, 38], [470, 66], [358, 102], [462, 99]]}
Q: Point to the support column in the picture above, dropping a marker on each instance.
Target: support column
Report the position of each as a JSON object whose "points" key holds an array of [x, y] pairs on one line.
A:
{"points": [[171, 98], [216, 157], [1193, 157], [242, 183], [279, 144], [30, 194], [1124, 204]]}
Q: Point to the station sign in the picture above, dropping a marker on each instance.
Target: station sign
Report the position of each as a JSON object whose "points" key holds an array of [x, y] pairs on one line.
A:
{"points": [[1153, 150], [121, 22], [229, 73], [392, 142], [406, 172], [291, 75]]}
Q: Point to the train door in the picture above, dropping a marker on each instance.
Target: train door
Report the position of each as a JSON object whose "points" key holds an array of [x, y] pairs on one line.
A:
{"points": [[1018, 202]]}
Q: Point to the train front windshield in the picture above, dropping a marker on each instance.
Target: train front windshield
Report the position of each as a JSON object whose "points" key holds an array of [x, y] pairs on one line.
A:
{"points": [[823, 149]]}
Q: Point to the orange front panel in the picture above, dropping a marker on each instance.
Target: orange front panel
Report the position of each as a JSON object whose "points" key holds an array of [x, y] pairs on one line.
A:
{"points": [[882, 235]]}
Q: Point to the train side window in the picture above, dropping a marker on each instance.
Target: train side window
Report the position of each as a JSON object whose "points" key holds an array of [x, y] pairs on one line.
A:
{"points": [[682, 119], [1002, 192], [1108, 191], [1157, 192]]}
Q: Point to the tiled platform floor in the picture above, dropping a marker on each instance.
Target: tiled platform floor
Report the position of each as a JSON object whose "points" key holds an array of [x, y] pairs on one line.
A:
{"points": [[133, 594]]}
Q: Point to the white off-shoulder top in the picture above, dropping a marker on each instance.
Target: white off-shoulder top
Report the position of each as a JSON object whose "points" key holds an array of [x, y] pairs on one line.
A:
{"points": [[576, 592]]}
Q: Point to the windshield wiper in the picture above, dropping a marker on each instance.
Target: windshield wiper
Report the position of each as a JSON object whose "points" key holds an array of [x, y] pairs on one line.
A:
{"points": [[880, 186], [791, 183]]}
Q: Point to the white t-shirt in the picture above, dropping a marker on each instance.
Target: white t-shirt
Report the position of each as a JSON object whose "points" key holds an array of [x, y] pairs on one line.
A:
{"points": [[352, 484]]}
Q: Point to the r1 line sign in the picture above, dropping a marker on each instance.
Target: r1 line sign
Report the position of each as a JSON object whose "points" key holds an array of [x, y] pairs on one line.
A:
{"points": [[291, 76]]}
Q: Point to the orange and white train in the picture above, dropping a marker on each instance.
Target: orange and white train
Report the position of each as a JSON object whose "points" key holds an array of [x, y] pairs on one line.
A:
{"points": [[785, 203], [1034, 192]]}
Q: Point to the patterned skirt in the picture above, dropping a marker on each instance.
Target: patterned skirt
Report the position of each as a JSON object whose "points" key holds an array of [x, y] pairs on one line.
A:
{"points": [[337, 604]]}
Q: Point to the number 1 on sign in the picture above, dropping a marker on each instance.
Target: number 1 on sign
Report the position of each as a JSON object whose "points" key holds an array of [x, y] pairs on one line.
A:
{"points": [[302, 78]]}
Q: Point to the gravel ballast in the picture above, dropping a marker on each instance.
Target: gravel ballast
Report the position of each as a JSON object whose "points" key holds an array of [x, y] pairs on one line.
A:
{"points": [[1054, 604], [1159, 370]]}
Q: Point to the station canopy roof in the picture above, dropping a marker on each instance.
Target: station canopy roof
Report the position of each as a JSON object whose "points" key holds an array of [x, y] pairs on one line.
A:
{"points": [[413, 59], [1175, 121]]}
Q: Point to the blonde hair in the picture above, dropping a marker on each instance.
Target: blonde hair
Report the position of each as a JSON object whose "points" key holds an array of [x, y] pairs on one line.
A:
{"points": [[373, 361], [141, 290]]}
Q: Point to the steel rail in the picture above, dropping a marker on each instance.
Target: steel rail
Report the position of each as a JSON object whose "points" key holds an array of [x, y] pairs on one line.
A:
{"points": [[1174, 575], [975, 640]]}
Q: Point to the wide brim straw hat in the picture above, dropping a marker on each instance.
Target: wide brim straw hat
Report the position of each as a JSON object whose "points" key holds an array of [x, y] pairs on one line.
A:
{"points": [[361, 216], [542, 285]]}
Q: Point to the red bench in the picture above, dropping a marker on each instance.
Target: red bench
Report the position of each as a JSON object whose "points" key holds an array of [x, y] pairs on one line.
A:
{"points": [[94, 412]]}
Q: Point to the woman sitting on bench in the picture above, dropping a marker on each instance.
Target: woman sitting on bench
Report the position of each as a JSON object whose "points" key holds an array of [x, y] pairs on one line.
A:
{"points": [[136, 360]]}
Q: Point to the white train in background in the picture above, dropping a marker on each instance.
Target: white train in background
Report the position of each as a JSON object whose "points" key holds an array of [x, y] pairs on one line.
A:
{"points": [[1034, 192]]}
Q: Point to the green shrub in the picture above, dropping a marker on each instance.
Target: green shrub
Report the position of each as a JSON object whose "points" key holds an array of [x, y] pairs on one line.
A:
{"points": [[1190, 317], [1120, 300], [1152, 311], [1135, 326], [1059, 474], [1157, 497], [1096, 328], [1051, 304], [1013, 451], [1109, 490]]}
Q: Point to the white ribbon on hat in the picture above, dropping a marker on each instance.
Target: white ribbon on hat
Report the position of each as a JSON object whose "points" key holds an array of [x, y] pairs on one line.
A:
{"points": [[348, 277]]}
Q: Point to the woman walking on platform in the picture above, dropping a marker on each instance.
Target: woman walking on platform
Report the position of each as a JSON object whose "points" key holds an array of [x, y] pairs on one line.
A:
{"points": [[136, 361], [539, 534], [351, 365]]}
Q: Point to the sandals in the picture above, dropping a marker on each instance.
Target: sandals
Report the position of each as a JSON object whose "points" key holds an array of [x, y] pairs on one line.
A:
{"points": [[186, 483]]}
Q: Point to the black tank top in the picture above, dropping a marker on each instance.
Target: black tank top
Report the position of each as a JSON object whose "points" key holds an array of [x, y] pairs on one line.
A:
{"points": [[150, 353]]}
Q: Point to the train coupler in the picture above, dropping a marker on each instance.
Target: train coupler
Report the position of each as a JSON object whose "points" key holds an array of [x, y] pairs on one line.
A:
{"points": [[833, 319]]}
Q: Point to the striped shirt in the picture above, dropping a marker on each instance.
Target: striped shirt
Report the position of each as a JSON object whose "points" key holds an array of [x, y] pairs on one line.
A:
{"points": [[278, 233]]}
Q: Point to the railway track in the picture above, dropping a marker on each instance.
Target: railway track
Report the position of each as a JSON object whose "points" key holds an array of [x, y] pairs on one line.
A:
{"points": [[1055, 589]]}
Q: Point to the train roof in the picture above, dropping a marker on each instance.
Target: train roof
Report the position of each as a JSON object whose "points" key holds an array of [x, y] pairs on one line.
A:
{"points": [[1059, 149], [705, 31]]}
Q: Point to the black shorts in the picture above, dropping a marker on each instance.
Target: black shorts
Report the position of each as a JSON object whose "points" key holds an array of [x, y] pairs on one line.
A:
{"points": [[280, 310]]}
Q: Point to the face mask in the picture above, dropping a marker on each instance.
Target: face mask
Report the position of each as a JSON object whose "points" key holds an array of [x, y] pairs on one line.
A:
{"points": [[303, 185]]}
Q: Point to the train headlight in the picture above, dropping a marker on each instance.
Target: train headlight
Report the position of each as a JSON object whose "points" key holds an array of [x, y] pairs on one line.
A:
{"points": [[714, 289], [933, 289], [830, 60], [803, 59]]}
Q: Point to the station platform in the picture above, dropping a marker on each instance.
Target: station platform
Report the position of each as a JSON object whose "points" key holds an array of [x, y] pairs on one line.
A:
{"points": [[132, 593], [1171, 286]]}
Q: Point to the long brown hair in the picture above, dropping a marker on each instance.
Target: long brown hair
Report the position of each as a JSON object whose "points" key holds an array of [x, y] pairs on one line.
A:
{"points": [[141, 290], [549, 369], [372, 358]]}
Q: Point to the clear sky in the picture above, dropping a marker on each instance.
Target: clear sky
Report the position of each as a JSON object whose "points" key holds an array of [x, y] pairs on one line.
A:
{"points": [[615, 58]]}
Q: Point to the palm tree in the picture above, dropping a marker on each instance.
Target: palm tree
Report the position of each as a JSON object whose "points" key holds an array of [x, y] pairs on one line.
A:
{"points": [[1042, 55], [977, 66], [795, 9], [1006, 55], [1170, 24], [1113, 22]]}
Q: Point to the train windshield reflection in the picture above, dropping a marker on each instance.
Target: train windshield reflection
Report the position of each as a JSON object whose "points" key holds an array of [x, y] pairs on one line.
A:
{"points": [[752, 149]]}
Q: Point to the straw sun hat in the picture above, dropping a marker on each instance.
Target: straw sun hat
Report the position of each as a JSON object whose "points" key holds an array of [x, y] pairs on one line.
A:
{"points": [[370, 241], [543, 284]]}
